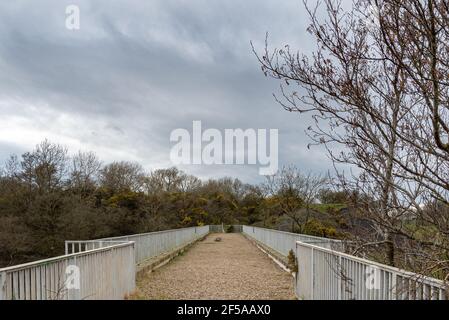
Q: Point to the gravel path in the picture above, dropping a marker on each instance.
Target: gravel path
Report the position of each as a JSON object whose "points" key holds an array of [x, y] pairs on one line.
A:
{"points": [[231, 269]]}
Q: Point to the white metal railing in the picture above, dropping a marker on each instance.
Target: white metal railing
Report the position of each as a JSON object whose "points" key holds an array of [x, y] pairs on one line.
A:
{"points": [[103, 273], [284, 242], [325, 274], [237, 228], [219, 228], [147, 245], [76, 246], [106, 268]]}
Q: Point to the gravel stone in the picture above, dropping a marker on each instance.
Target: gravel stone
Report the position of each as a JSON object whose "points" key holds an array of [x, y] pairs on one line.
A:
{"points": [[232, 269]]}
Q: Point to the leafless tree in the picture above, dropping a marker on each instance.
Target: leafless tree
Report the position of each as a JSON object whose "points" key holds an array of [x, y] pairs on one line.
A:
{"points": [[293, 191], [164, 180], [45, 168], [122, 176], [377, 85], [84, 172]]}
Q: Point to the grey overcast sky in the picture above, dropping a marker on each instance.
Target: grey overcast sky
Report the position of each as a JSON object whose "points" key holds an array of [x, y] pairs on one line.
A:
{"points": [[138, 69]]}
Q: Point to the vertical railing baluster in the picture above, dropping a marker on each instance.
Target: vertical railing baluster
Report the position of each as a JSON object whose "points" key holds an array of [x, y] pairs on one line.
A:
{"points": [[312, 272], [340, 280], [3, 295]]}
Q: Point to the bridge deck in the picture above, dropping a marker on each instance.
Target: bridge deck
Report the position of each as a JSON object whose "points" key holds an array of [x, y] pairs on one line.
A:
{"points": [[230, 269]]}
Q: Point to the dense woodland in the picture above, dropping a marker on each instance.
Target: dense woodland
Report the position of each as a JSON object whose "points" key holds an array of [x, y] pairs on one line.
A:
{"points": [[47, 196]]}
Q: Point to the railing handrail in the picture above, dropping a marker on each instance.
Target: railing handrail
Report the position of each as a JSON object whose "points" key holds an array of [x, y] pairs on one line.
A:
{"points": [[147, 233], [63, 257], [433, 281], [297, 234], [91, 241]]}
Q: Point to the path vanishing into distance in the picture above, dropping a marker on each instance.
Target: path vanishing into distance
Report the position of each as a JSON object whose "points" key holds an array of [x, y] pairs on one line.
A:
{"points": [[232, 268]]}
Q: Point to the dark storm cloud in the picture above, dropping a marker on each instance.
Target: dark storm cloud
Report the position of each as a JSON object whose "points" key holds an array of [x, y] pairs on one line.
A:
{"points": [[136, 70]]}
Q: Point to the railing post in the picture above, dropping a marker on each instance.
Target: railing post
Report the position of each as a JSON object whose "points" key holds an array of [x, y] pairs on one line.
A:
{"points": [[340, 276], [66, 245], [312, 275], [2, 286], [393, 286]]}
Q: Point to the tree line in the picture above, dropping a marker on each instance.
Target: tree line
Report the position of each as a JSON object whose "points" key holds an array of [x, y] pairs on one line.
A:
{"points": [[48, 196]]}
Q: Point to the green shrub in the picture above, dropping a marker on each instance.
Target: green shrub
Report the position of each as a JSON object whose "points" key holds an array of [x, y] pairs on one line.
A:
{"points": [[292, 262]]}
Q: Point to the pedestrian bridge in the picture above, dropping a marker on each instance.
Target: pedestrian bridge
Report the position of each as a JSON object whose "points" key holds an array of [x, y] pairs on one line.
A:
{"points": [[207, 263]]}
